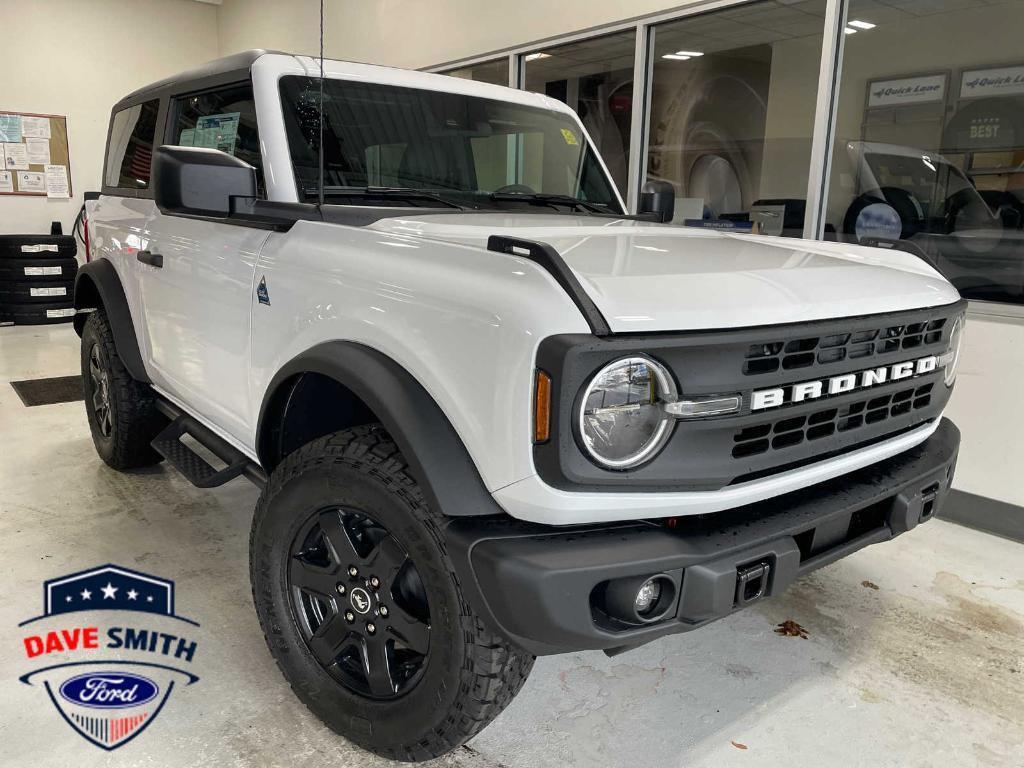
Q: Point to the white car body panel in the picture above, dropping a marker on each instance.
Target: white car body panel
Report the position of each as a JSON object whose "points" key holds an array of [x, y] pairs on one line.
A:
{"points": [[197, 309], [465, 322], [650, 277]]}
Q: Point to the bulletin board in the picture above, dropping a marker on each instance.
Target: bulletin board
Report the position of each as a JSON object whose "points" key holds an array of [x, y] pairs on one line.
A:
{"points": [[35, 160]]}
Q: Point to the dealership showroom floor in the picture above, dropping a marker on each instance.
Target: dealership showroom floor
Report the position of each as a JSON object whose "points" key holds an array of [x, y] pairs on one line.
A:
{"points": [[912, 656]]}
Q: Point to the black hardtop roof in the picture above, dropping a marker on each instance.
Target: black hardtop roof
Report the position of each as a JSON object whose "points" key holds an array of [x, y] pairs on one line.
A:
{"points": [[235, 64]]}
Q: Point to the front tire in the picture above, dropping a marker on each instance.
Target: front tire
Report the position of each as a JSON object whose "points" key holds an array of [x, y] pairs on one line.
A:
{"points": [[361, 607], [123, 417]]}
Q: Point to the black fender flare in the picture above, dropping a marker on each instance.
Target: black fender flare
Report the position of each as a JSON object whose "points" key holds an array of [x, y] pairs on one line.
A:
{"points": [[98, 286], [436, 454]]}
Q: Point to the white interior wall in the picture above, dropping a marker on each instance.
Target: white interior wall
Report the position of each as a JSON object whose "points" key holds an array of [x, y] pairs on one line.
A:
{"points": [[77, 58], [415, 33]]}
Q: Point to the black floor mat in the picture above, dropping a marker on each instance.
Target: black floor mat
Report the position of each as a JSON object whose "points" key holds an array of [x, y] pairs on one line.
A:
{"points": [[59, 389]]}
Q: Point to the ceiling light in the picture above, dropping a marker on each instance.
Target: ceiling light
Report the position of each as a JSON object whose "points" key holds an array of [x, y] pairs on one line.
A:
{"points": [[535, 56], [850, 31], [861, 24], [689, 53], [675, 57]]}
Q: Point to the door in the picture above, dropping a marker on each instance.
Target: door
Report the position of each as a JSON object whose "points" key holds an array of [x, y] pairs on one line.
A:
{"points": [[197, 277]]}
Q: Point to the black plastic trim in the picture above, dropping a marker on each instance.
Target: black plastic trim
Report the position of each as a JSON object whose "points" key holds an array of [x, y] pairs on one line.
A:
{"points": [[697, 455], [534, 583], [213, 73], [552, 261], [436, 454], [99, 278]]}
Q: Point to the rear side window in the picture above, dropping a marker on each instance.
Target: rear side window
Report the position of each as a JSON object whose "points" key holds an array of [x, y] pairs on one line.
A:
{"points": [[130, 151], [224, 119]]}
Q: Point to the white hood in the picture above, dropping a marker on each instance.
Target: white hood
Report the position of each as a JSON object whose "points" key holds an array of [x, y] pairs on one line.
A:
{"points": [[653, 277]]}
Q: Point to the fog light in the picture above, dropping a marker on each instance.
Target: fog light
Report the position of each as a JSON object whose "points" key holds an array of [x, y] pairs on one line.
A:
{"points": [[647, 596], [638, 600]]}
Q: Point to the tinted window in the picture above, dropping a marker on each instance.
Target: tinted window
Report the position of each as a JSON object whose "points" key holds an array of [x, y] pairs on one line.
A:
{"points": [[223, 119], [463, 146], [130, 151]]}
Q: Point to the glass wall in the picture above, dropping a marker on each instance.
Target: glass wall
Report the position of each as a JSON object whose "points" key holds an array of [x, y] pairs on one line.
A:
{"points": [[595, 78], [494, 72], [732, 112], [929, 145]]}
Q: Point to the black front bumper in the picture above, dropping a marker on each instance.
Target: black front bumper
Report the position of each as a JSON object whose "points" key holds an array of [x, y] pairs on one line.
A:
{"points": [[542, 587]]}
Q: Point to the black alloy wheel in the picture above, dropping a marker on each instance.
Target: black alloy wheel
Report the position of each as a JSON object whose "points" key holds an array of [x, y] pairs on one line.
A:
{"points": [[100, 391], [360, 603]]}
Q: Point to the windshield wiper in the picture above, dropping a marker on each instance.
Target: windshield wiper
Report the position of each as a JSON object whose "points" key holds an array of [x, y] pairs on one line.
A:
{"points": [[539, 198], [394, 193]]}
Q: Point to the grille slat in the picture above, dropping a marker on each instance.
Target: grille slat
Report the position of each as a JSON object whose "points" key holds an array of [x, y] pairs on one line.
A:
{"points": [[791, 354], [794, 430]]}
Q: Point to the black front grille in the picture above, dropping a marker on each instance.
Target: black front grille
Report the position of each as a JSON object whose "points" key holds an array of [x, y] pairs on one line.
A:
{"points": [[773, 356], [715, 452], [794, 430]]}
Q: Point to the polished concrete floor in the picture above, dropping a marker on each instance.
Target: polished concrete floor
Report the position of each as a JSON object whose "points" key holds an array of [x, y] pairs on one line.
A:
{"points": [[927, 669]]}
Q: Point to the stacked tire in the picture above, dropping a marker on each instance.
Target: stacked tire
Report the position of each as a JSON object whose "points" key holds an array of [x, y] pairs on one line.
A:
{"points": [[37, 279]]}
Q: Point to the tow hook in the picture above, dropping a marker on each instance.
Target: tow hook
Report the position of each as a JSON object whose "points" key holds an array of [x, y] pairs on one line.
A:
{"points": [[751, 583]]}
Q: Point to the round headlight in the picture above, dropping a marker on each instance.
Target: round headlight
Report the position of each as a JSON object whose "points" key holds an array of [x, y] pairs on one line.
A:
{"points": [[952, 356], [621, 420]]}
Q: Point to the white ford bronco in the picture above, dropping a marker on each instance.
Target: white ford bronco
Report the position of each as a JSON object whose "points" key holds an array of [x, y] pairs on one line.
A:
{"points": [[492, 415]]}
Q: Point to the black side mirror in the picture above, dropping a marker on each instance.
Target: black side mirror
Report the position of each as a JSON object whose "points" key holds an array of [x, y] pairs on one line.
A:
{"points": [[196, 181], [658, 198]]}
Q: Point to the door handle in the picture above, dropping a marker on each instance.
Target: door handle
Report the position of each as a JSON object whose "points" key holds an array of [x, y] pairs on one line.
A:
{"points": [[153, 259]]}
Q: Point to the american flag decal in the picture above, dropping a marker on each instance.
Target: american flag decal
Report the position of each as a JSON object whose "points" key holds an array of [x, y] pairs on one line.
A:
{"points": [[110, 730]]}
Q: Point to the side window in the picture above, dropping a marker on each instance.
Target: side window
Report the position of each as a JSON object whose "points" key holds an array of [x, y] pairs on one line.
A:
{"points": [[130, 148], [224, 119]]}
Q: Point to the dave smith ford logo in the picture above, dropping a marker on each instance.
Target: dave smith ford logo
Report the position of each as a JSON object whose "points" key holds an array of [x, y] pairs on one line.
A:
{"points": [[108, 676]]}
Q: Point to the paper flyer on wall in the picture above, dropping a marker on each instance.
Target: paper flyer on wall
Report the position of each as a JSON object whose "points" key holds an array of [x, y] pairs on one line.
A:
{"points": [[57, 182], [38, 151], [10, 127], [15, 156], [31, 182], [35, 127], [6, 182]]}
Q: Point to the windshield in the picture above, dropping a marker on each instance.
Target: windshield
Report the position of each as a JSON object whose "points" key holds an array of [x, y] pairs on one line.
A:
{"points": [[475, 152]]}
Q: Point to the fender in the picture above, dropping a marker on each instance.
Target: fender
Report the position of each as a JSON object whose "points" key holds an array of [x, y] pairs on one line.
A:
{"points": [[98, 286], [436, 454]]}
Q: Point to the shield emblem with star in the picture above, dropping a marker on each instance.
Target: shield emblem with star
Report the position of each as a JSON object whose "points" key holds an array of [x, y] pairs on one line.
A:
{"points": [[109, 702]]}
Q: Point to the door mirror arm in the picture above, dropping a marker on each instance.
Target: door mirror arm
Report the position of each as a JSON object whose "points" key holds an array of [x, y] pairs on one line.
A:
{"points": [[658, 199]]}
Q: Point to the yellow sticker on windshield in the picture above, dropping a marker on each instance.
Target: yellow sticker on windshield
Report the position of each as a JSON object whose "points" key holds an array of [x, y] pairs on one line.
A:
{"points": [[570, 138]]}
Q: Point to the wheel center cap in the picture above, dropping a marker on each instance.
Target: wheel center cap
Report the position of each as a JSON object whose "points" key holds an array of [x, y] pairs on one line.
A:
{"points": [[359, 598]]}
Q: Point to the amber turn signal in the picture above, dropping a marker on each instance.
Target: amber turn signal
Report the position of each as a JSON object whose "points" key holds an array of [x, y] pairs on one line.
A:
{"points": [[542, 408]]}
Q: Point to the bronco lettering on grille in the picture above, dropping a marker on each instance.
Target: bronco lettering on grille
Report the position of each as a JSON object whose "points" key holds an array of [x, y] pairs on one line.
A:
{"points": [[810, 390]]}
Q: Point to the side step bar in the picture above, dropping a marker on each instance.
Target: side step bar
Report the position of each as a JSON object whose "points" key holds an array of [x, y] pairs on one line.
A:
{"points": [[194, 467]]}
